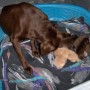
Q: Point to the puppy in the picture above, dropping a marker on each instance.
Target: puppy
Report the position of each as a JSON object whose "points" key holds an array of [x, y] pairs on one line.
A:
{"points": [[62, 55], [25, 21]]}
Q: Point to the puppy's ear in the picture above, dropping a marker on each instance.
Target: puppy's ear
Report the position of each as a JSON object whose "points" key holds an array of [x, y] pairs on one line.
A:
{"points": [[72, 56]]}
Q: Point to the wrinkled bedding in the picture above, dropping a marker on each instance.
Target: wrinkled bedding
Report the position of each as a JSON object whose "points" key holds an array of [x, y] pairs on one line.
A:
{"points": [[45, 75]]}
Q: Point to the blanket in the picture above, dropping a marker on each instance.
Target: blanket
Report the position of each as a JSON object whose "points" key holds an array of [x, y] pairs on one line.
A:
{"points": [[45, 75]]}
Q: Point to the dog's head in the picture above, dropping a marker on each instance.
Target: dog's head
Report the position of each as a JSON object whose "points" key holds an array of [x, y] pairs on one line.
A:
{"points": [[52, 40]]}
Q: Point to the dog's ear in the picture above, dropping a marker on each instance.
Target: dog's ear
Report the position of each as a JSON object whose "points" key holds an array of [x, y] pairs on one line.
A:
{"points": [[80, 45], [80, 40], [82, 48]]}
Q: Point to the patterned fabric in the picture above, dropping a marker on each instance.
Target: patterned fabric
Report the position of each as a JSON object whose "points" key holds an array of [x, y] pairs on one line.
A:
{"points": [[45, 75]]}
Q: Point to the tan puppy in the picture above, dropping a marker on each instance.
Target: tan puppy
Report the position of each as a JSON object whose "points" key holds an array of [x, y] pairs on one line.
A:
{"points": [[62, 55]]}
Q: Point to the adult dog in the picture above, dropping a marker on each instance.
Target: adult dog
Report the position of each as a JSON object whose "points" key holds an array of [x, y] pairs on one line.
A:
{"points": [[25, 21]]}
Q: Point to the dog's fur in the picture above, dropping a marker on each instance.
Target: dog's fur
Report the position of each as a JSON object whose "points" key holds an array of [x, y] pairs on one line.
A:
{"points": [[62, 55], [25, 21]]}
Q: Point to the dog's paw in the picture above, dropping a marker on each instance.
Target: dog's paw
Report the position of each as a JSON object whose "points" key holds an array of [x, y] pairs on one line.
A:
{"points": [[27, 68]]}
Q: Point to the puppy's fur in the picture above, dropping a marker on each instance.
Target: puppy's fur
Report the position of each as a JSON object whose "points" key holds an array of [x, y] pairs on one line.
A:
{"points": [[62, 55]]}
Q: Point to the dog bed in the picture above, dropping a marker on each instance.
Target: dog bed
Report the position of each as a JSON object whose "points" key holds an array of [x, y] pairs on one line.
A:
{"points": [[45, 75]]}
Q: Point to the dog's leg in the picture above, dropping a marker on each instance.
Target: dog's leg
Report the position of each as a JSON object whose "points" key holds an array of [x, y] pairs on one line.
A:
{"points": [[35, 46], [17, 48]]}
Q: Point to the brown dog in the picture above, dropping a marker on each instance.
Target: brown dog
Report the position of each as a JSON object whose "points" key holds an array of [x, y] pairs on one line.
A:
{"points": [[25, 21]]}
